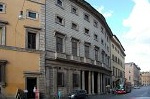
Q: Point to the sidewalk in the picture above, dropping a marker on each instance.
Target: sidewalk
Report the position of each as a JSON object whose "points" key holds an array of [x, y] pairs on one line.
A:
{"points": [[2, 96], [101, 96]]}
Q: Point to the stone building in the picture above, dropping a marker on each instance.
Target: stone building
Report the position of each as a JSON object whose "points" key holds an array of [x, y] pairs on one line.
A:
{"points": [[77, 48], [132, 73], [145, 78], [117, 62]]}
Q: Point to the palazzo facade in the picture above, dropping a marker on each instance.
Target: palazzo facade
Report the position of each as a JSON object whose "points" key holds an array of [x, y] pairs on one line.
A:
{"points": [[77, 48]]}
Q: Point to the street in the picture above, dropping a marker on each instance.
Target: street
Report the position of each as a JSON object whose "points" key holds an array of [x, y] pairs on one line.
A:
{"points": [[142, 93]]}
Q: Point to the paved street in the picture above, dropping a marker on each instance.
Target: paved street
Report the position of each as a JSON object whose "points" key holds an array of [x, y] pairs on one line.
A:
{"points": [[142, 93]]}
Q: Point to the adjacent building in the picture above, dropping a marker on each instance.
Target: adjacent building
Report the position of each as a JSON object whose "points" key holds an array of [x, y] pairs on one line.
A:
{"points": [[132, 73], [117, 62], [22, 45], [145, 78]]}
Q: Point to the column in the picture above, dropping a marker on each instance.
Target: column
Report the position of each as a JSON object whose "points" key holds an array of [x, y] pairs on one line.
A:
{"points": [[83, 80], [98, 83], [89, 82], [69, 80], [101, 83], [54, 84], [92, 82]]}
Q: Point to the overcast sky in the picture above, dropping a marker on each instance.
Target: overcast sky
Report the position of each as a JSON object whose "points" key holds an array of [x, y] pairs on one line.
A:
{"points": [[129, 20]]}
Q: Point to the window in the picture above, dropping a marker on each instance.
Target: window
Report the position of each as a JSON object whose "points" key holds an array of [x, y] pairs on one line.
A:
{"points": [[86, 31], [74, 26], [103, 57], [113, 46], [102, 29], [113, 58], [74, 47], [87, 50], [60, 2], [31, 40], [107, 39], [60, 79], [113, 71], [107, 48], [1, 29], [86, 17], [95, 23], [95, 37], [74, 10], [76, 80], [2, 72], [129, 77], [96, 53], [3, 32], [102, 41], [59, 20], [32, 15], [2, 7], [59, 44]]}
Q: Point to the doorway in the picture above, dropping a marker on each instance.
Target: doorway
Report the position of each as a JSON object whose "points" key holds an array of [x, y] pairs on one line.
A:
{"points": [[31, 83]]}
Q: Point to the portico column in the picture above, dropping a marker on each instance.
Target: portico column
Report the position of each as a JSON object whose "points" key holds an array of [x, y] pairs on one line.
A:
{"points": [[98, 83], [101, 83], [83, 80], [92, 82], [89, 82]]}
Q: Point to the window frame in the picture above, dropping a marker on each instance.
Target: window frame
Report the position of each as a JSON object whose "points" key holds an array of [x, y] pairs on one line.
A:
{"points": [[3, 33], [60, 5], [3, 8], [60, 84], [3, 72], [76, 79], [96, 50], [95, 23], [96, 37], [102, 29], [87, 50], [59, 44], [87, 17], [75, 50], [37, 38], [57, 19], [86, 31], [76, 27], [61, 36], [76, 10], [36, 16]]}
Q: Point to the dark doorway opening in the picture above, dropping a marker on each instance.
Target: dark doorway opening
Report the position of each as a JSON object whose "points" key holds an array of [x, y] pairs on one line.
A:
{"points": [[95, 82], [31, 83], [86, 80]]}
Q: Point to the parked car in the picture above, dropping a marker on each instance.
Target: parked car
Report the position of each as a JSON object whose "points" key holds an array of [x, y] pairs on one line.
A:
{"points": [[78, 94], [120, 91]]}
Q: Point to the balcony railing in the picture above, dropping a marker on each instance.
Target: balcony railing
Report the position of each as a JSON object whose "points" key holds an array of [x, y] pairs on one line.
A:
{"points": [[74, 58], [60, 55]]}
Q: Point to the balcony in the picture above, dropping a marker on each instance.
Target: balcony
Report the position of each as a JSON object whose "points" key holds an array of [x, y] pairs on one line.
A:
{"points": [[60, 55], [98, 63], [74, 58], [87, 60]]}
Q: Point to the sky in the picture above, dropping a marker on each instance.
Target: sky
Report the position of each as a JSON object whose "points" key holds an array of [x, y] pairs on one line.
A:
{"points": [[129, 20]]}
